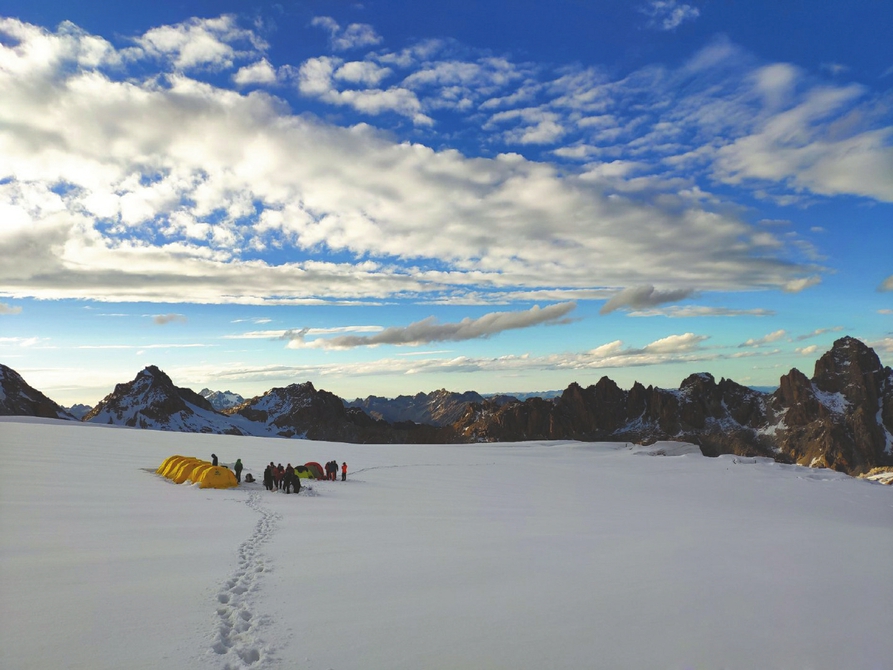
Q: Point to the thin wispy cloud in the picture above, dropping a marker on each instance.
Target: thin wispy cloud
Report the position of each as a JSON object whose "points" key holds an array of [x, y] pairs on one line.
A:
{"points": [[9, 309], [639, 297], [774, 336], [668, 14], [817, 332], [352, 36], [431, 330], [886, 285], [690, 311], [164, 319]]}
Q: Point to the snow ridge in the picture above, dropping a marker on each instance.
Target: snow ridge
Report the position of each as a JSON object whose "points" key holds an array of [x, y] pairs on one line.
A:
{"points": [[237, 640]]}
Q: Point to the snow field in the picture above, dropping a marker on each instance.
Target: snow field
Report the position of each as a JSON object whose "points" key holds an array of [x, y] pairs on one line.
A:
{"points": [[532, 555]]}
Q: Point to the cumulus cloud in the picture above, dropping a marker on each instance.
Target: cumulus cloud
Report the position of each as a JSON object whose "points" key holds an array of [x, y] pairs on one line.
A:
{"points": [[115, 188], [774, 336], [639, 297], [260, 72], [200, 43], [9, 309], [353, 36], [668, 14], [163, 319], [431, 330], [806, 351], [316, 76], [537, 126], [886, 285]]}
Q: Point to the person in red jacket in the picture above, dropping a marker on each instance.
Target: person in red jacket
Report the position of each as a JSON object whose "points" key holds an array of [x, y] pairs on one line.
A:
{"points": [[344, 472]]}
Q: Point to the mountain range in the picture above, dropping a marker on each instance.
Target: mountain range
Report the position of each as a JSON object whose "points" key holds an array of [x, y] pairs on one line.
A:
{"points": [[841, 418]]}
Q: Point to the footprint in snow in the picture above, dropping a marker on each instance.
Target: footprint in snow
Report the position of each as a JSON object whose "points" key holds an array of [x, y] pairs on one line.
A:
{"points": [[237, 640]]}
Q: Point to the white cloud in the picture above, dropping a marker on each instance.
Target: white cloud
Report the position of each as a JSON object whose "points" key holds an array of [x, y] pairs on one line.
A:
{"points": [[638, 297], [316, 79], [362, 72], [9, 309], [535, 126], [774, 336], [431, 330], [668, 14], [172, 186], [801, 284], [260, 72], [804, 148], [289, 333], [674, 344], [886, 285], [354, 36], [695, 311], [200, 43], [807, 351]]}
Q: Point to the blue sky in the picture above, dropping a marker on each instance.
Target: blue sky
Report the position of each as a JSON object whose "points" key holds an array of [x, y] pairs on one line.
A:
{"points": [[387, 198]]}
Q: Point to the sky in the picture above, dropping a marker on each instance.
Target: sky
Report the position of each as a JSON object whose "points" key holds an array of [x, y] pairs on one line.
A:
{"points": [[386, 198], [433, 556]]}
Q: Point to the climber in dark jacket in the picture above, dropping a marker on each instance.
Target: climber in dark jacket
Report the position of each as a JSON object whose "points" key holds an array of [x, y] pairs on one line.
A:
{"points": [[238, 468], [213, 459]]}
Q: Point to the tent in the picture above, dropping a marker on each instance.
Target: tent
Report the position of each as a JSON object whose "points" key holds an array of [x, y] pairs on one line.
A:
{"points": [[180, 469], [217, 477], [313, 470]]}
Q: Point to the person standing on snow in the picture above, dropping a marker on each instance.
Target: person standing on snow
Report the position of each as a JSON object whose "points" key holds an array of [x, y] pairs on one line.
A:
{"points": [[214, 459], [268, 478], [289, 477], [344, 472], [238, 468]]}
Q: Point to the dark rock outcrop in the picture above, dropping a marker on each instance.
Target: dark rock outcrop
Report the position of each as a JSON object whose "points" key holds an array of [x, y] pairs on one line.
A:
{"points": [[841, 419], [18, 398], [300, 410]]}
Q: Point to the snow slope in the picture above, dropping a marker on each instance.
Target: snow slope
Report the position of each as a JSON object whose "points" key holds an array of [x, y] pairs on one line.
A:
{"points": [[532, 555]]}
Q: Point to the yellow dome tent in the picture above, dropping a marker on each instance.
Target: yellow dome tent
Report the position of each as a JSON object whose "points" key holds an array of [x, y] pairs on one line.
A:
{"points": [[217, 477], [180, 469]]}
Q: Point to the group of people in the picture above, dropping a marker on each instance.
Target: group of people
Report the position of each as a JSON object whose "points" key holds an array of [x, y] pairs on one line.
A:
{"points": [[277, 478], [332, 471]]}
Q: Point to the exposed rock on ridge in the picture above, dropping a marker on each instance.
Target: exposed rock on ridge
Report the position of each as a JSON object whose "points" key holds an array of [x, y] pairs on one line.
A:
{"points": [[842, 418], [18, 398]]}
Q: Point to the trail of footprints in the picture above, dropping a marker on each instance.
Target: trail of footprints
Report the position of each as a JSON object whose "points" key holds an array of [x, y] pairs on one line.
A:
{"points": [[237, 640]]}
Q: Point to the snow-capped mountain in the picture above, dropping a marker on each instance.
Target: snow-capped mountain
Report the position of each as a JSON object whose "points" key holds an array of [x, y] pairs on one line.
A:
{"points": [[221, 400], [842, 418], [438, 408], [18, 398], [78, 410], [152, 401]]}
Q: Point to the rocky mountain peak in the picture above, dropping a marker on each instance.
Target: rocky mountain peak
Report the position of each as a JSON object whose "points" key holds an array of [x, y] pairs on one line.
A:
{"points": [[151, 400], [18, 398], [852, 369]]}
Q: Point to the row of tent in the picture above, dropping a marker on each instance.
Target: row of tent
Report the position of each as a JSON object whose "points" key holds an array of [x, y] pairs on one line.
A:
{"points": [[187, 468], [182, 468]]}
